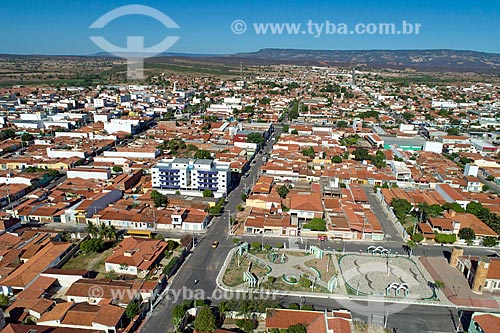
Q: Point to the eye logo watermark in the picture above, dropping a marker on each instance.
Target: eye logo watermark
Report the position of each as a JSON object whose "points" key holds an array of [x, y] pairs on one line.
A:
{"points": [[135, 52]]}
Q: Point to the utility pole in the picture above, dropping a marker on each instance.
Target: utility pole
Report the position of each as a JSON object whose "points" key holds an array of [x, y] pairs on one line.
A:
{"points": [[229, 222]]}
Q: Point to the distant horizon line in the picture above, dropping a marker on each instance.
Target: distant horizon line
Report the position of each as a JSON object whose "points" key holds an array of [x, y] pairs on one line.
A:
{"points": [[163, 54]]}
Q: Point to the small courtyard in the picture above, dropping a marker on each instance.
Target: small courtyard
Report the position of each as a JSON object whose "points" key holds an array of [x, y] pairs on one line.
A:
{"points": [[384, 276], [278, 269]]}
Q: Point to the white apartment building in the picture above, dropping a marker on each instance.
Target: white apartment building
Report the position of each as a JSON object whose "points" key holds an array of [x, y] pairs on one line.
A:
{"points": [[191, 177]]}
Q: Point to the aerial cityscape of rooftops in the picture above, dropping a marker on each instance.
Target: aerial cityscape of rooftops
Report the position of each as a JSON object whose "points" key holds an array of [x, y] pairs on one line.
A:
{"points": [[282, 191]]}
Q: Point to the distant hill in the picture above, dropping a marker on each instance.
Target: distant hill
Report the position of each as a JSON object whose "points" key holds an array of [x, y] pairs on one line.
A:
{"points": [[418, 60], [423, 60]]}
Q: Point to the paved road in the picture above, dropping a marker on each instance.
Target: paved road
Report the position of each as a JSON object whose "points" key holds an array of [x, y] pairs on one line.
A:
{"points": [[379, 211], [205, 262], [493, 186], [407, 319]]}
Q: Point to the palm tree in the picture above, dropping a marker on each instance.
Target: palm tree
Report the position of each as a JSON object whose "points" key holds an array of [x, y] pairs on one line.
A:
{"points": [[103, 230], [422, 211], [91, 229], [409, 246], [112, 233]]}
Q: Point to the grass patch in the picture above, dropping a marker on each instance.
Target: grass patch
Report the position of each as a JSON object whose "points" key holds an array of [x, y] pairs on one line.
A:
{"points": [[233, 276], [320, 265], [91, 262]]}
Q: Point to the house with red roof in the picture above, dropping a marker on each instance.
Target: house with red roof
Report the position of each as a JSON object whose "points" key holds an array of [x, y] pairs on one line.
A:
{"points": [[312, 321], [135, 256]]}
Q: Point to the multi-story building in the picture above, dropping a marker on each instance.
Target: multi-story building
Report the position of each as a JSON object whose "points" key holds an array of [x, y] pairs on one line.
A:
{"points": [[191, 177]]}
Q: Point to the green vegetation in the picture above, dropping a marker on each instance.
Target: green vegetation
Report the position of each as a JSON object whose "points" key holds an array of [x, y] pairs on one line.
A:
{"points": [[342, 124], [467, 234], [117, 169], [489, 241], [132, 309], [4, 301], [316, 224], [203, 154], [247, 325], [283, 191], [255, 138], [168, 267], [208, 193], [205, 320], [337, 159], [308, 152], [92, 245], [401, 207], [159, 198], [490, 219], [446, 238], [378, 159], [417, 238], [361, 154]]}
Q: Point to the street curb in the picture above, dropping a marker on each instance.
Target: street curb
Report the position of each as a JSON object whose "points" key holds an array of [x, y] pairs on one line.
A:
{"points": [[225, 288]]}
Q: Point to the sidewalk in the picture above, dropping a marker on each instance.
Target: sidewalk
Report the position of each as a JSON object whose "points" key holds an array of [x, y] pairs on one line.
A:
{"points": [[337, 296], [456, 289]]}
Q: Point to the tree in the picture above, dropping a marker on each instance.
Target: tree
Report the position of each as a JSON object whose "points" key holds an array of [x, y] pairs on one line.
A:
{"points": [[337, 159], [178, 312], [453, 206], [117, 169], [91, 229], [205, 320], [490, 178], [361, 154], [26, 137], [474, 208], [342, 124], [255, 246], [417, 238], [489, 241], [283, 191], [408, 116], [401, 207], [453, 131], [439, 284], [378, 159], [286, 128], [207, 193], [485, 188], [203, 154], [433, 210], [294, 132], [247, 325], [158, 198], [132, 309], [255, 138], [92, 245], [409, 247], [4, 300], [271, 279], [243, 197], [309, 152], [297, 328], [467, 234]]}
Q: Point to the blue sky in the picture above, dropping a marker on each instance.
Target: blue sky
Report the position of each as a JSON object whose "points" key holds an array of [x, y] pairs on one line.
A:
{"points": [[62, 26]]}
